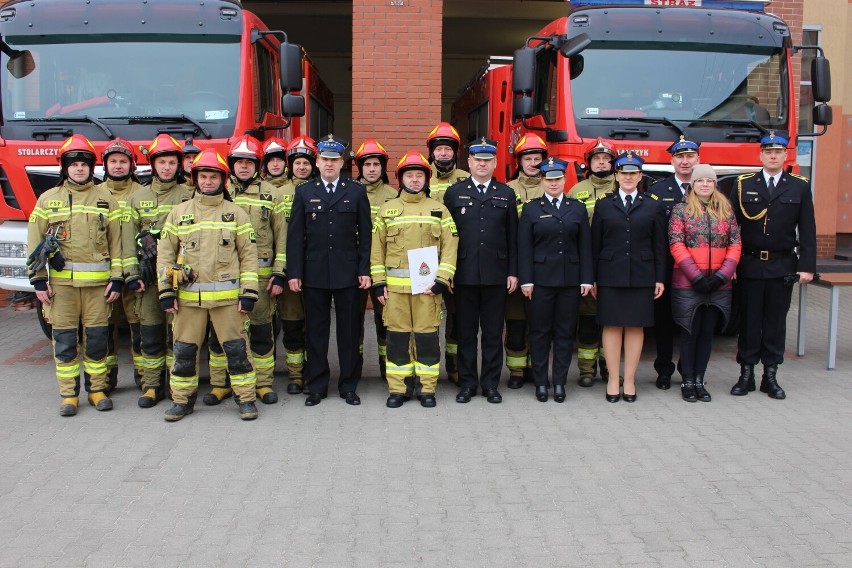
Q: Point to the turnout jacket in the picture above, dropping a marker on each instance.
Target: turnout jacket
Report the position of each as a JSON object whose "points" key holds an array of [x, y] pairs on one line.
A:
{"points": [[377, 194], [408, 222], [556, 244], [768, 226], [488, 232], [215, 237], [328, 239], [441, 182], [86, 221], [148, 209], [121, 192], [590, 190], [265, 206], [526, 189]]}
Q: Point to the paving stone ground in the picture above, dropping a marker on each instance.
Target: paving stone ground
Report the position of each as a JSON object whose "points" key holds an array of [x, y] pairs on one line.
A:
{"points": [[737, 482]]}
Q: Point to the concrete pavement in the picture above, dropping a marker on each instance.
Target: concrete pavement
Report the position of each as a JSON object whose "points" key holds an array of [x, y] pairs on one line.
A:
{"points": [[737, 482]]}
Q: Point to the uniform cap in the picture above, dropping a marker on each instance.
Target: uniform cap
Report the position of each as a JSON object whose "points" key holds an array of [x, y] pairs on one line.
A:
{"points": [[331, 147], [682, 146], [773, 140], [484, 149], [628, 162], [553, 168]]}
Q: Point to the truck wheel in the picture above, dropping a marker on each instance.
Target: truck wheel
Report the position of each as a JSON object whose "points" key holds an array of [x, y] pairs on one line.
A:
{"points": [[46, 328]]}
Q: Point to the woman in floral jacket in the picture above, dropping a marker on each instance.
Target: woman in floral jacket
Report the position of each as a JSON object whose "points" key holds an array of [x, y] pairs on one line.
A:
{"points": [[705, 242]]}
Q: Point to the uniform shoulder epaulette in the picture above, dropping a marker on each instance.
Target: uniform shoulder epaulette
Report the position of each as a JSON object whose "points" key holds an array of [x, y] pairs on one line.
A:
{"points": [[803, 178], [572, 199], [747, 175], [462, 178], [602, 195], [653, 196]]}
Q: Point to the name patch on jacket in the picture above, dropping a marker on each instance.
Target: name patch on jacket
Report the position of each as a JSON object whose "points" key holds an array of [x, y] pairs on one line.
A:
{"points": [[437, 213], [103, 205], [266, 197], [227, 217]]}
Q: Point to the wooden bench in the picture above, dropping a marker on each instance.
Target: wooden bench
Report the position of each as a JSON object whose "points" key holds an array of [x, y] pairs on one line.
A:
{"points": [[832, 281]]}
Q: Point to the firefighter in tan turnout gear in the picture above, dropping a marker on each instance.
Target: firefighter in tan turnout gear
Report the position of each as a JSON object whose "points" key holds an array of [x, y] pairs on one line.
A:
{"points": [[207, 270], [76, 270], [444, 143], [372, 161], [530, 151], [119, 160], [264, 204], [412, 221], [599, 183], [148, 209], [301, 159]]}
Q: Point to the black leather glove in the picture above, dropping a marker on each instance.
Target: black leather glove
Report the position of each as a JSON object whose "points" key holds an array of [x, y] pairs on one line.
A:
{"points": [[135, 285], [278, 281], [148, 270], [439, 288], [40, 286], [715, 282], [167, 303], [146, 245], [701, 284], [115, 286], [247, 304]]}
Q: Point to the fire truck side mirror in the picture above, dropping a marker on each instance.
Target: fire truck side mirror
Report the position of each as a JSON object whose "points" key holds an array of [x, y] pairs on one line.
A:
{"points": [[291, 67], [821, 79], [21, 64], [522, 108], [523, 71], [575, 45], [293, 105], [823, 115]]}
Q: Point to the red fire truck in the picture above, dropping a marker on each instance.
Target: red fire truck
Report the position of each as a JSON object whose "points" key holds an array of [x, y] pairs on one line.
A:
{"points": [[640, 74], [132, 69]]}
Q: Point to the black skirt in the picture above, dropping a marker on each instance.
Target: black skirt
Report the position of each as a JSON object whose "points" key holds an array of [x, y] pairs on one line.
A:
{"points": [[625, 307]]}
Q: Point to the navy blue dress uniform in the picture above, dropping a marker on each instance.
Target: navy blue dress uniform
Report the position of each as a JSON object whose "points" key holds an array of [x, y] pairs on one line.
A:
{"points": [[557, 244], [629, 254], [328, 248], [773, 223], [487, 223], [668, 192]]}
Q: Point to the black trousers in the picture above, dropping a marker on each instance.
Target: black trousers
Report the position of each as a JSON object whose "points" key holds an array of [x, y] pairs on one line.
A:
{"points": [[552, 315], [318, 323], [664, 330], [480, 308], [764, 304], [697, 343]]}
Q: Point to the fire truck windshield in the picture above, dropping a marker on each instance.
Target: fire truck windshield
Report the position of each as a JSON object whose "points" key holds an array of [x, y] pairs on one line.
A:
{"points": [[111, 76], [695, 86]]}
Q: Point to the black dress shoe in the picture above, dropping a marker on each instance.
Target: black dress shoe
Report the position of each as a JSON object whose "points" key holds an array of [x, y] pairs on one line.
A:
{"points": [[559, 393], [492, 396], [351, 398], [515, 382], [613, 397], [541, 394], [465, 395], [395, 400], [427, 400], [664, 382], [315, 398]]}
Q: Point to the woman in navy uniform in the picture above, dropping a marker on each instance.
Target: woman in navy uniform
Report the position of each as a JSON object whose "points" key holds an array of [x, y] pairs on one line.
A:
{"points": [[629, 248], [775, 210], [554, 271]]}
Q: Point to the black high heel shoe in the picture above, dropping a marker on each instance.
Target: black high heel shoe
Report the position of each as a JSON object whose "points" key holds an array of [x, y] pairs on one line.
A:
{"points": [[629, 397], [613, 397]]}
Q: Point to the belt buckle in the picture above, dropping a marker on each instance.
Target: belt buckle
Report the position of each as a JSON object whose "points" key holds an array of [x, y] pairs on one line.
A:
{"points": [[764, 255]]}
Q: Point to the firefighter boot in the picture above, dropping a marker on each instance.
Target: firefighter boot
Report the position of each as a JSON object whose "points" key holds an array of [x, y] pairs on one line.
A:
{"points": [[248, 410], [150, 397], [100, 401], [69, 406], [178, 410], [217, 395], [586, 364], [769, 384], [267, 395], [745, 384]]}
